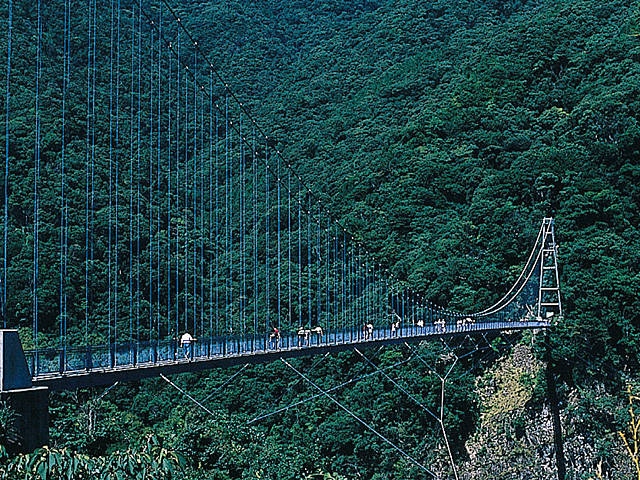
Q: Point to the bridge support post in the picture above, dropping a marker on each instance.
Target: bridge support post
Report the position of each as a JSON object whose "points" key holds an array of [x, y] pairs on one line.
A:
{"points": [[30, 426], [554, 406]]}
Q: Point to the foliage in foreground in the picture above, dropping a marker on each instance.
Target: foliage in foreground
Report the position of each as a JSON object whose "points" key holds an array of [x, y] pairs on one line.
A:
{"points": [[265, 422], [151, 461]]}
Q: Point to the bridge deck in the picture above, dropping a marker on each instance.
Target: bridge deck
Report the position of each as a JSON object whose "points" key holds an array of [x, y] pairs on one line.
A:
{"points": [[104, 365]]}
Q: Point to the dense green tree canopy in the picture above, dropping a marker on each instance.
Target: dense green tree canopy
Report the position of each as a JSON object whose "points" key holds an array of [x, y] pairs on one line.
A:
{"points": [[440, 133]]}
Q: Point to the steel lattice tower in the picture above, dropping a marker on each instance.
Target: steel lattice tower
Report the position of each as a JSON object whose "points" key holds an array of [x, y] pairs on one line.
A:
{"points": [[549, 303]]}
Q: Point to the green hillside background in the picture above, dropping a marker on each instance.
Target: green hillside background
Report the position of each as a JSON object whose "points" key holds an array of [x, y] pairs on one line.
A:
{"points": [[440, 133]]}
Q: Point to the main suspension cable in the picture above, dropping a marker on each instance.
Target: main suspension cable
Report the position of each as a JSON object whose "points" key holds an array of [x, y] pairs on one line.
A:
{"points": [[527, 270]]}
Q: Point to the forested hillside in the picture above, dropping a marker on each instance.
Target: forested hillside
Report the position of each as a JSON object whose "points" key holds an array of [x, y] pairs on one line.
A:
{"points": [[440, 133]]}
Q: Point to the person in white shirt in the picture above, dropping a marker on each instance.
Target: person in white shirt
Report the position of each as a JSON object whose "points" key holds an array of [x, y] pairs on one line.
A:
{"points": [[185, 342]]}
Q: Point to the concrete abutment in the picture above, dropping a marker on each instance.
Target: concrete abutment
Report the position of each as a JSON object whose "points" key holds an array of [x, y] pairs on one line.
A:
{"points": [[28, 428]]}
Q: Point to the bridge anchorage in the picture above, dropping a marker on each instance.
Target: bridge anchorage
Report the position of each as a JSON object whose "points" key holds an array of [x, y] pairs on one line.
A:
{"points": [[533, 302]]}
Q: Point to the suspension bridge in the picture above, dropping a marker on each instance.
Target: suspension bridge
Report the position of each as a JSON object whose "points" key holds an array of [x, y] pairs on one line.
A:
{"points": [[142, 201]]}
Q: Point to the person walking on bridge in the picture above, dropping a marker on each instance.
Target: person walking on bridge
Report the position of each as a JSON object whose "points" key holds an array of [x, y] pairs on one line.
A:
{"points": [[186, 342]]}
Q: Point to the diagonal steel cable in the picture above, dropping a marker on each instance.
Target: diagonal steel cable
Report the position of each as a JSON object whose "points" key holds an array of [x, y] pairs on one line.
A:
{"points": [[332, 389], [364, 423]]}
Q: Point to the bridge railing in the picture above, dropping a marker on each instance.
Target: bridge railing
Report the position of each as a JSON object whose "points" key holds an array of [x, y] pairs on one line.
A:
{"points": [[56, 361]]}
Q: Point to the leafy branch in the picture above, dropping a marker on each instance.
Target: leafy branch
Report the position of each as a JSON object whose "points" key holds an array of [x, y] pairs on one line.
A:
{"points": [[630, 438]]}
